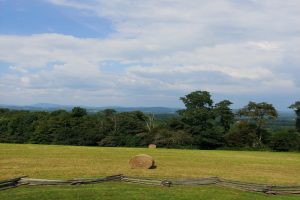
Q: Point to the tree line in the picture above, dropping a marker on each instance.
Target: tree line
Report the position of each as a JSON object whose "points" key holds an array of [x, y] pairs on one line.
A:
{"points": [[203, 124]]}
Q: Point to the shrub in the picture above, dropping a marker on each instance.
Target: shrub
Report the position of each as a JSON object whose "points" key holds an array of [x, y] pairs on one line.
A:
{"points": [[241, 134], [285, 140]]}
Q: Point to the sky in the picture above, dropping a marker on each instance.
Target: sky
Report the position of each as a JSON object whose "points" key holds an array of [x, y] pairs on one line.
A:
{"points": [[149, 52]]}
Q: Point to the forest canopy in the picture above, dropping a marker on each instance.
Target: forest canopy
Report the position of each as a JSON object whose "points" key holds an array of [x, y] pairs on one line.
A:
{"points": [[202, 124]]}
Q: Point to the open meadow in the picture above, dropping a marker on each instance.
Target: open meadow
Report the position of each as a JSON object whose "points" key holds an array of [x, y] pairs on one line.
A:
{"points": [[65, 162]]}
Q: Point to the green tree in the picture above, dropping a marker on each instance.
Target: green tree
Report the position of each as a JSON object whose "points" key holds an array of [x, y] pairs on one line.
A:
{"points": [[106, 121], [285, 140], [224, 114], [241, 135], [111, 120], [78, 112], [259, 114], [131, 128], [296, 108], [4, 110], [199, 118], [58, 128], [169, 138], [150, 122], [199, 113], [21, 125]]}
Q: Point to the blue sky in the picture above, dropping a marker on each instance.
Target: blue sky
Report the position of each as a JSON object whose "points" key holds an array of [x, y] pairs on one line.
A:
{"points": [[149, 53], [19, 17]]}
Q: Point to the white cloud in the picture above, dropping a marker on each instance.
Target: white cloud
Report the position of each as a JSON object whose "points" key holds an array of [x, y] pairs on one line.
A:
{"points": [[268, 46], [164, 49]]}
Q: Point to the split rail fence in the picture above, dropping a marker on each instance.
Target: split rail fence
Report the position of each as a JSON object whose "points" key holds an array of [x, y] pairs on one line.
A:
{"points": [[252, 187]]}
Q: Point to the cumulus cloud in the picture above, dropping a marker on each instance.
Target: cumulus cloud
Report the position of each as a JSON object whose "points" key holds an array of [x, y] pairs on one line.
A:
{"points": [[161, 50]]}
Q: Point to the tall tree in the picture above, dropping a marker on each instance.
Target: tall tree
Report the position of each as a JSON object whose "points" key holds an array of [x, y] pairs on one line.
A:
{"points": [[296, 108], [199, 118], [224, 114], [259, 114], [198, 113], [111, 119]]}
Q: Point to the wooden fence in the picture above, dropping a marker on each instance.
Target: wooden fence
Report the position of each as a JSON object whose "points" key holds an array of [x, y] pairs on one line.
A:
{"points": [[252, 187]]}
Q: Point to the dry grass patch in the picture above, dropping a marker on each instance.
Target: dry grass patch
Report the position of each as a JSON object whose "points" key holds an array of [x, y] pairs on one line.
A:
{"points": [[51, 161]]}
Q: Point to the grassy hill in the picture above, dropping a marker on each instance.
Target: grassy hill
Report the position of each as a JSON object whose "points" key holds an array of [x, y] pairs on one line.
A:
{"points": [[46, 161]]}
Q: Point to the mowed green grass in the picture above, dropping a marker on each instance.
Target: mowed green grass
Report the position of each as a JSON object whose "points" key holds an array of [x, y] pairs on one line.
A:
{"points": [[63, 162], [125, 191]]}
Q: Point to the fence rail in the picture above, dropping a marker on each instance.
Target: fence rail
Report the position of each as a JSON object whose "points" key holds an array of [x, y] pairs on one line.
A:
{"points": [[245, 186]]}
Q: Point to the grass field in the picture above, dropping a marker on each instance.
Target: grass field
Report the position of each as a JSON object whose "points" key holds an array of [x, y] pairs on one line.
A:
{"points": [[45, 161], [123, 191]]}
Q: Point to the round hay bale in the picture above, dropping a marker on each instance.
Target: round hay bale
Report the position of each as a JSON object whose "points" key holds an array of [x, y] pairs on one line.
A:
{"points": [[152, 146], [143, 161]]}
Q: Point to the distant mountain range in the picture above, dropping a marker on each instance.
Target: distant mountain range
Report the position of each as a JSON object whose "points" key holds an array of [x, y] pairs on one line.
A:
{"points": [[94, 109], [52, 107]]}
